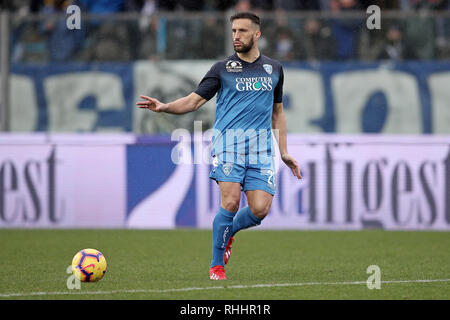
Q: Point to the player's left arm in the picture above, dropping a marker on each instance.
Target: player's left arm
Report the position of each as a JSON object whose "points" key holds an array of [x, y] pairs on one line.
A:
{"points": [[279, 128]]}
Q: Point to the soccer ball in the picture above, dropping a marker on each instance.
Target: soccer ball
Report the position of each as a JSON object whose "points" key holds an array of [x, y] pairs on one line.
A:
{"points": [[89, 265]]}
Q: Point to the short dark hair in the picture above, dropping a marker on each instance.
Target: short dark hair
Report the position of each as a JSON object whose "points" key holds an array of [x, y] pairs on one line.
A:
{"points": [[246, 15]]}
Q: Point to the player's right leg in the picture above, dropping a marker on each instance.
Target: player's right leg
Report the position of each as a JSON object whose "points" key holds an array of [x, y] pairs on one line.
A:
{"points": [[230, 177], [230, 194]]}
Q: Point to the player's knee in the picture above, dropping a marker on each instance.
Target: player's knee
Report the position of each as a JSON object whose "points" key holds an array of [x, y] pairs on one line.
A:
{"points": [[260, 210], [231, 204]]}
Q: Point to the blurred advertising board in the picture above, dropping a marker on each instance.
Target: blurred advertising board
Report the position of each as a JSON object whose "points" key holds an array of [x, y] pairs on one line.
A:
{"points": [[350, 182], [68, 181]]}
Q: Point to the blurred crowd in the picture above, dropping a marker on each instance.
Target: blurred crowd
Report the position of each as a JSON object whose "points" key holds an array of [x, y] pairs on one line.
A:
{"points": [[148, 33], [111, 6]]}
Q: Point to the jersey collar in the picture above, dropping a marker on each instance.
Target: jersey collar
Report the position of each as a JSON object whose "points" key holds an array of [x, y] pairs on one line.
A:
{"points": [[257, 59]]}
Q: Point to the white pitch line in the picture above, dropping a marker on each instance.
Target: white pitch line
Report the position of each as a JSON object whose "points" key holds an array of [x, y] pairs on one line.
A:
{"points": [[268, 285]]}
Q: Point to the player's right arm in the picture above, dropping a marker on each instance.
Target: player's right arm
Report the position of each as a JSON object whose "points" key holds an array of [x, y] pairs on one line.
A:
{"points": [[183, 105], [207, 88]]}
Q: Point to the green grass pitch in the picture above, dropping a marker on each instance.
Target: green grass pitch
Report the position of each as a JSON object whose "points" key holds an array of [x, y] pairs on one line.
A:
{"points": [[174, 264]]}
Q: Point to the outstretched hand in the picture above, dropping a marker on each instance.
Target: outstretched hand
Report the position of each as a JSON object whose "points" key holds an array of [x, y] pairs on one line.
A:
{"points": [[151, 103], [292, 164]]}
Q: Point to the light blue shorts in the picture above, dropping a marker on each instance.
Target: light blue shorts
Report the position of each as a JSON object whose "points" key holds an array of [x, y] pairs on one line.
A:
{"points": [[250, 176]]}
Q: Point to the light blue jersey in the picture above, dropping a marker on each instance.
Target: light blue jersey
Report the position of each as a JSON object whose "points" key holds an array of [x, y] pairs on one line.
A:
{"points": [[242, 138]]}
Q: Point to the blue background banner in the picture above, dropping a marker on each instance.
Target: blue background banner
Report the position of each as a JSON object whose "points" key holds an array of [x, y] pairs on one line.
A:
{"points": [[350, 97]]}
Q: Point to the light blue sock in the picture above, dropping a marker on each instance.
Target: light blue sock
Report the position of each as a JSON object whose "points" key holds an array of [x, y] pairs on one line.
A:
{"points": [[222, 225], [245, 219]]}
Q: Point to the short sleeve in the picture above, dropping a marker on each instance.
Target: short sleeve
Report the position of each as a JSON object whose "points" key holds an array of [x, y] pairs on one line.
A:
{"points": [[278, 92], [210, 83]]}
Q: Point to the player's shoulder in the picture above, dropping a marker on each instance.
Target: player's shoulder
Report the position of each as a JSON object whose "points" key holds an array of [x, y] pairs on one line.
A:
{"points": [[273, 62]]}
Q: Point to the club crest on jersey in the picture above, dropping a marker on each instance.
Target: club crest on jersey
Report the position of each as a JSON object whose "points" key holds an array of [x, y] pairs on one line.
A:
{"points": [[268, 68], [234, 66], [227, 167]]}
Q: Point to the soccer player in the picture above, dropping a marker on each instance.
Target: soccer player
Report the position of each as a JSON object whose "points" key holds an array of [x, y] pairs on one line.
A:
{"points": [[249, 89]]}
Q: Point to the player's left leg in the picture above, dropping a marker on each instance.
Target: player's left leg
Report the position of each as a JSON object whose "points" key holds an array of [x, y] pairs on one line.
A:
{"points": [[259, 202], [259, 187]]}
